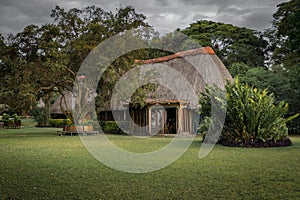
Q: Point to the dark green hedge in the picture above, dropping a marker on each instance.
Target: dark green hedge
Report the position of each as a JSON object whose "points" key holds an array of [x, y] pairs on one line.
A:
{"points": [[111, 127], [59, 122]]}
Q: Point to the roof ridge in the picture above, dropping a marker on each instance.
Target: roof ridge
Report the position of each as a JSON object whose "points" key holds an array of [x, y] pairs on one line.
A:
{"points": [[191, 52]]}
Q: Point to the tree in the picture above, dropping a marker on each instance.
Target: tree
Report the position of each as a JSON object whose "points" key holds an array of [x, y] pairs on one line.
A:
{"points": [[36, 64], [46, 58], [285, 32], [10, 85], [231, 43], [284, 41], [85, 28]]}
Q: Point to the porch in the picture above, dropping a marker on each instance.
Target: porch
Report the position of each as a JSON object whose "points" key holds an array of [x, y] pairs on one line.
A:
{"points": [[157, 117]]}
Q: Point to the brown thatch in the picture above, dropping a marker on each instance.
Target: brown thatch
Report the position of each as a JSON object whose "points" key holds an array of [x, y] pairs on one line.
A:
{"points": [[199, 67]]}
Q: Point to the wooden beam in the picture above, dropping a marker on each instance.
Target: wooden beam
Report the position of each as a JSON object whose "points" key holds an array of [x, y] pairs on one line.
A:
{"points": [[149, 118], [179, 116]]}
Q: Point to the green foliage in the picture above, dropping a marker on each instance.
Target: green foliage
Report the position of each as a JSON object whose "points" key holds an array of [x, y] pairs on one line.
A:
{"points": [[216, 97], [238, 69], [4, 108], [11, 121], [285, 85], [113, 128], [231, 43], [15, 116], [5, 116], [44, 59], [41, 115], [251, 113], [59, 122], [285, 33]]}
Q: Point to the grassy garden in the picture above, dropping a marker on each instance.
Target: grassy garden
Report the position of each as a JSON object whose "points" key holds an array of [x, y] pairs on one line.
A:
{"points": [[36, 163], [43, 63]]}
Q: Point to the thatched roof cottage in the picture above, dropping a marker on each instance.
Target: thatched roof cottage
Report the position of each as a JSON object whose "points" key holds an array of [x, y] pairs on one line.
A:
{"points": [[168, 112]]}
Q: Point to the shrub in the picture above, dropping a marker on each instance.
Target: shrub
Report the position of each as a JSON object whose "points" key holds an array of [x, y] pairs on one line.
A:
{"points": [[60, 122], [5, 116], [113, 128], [16, 117], [41, 116], [251, 117]]}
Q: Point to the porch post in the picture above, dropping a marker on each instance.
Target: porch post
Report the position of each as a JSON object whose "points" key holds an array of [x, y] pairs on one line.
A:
{"points": [[149, 119], [179, 113], [191, 130]]}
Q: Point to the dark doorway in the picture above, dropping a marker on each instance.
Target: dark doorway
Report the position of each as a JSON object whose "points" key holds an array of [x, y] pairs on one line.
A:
{"points": [[170, 127]]}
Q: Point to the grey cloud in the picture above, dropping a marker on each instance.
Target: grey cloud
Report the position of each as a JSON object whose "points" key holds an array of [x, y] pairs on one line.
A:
{"points": [[225, 3], [198, 17], [15, 15], [254, 18], [165, 14], [162, 2], [260, 19]]}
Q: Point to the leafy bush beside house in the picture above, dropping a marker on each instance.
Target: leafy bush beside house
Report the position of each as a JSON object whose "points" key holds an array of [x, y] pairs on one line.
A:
{"points": [[252, 117], [283, 83]]}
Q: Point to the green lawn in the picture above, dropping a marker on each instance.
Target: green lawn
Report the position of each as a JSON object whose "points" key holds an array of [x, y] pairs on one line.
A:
{"points": [[35, 163]]}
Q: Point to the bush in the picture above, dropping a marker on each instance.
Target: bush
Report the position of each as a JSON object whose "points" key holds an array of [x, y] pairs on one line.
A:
{"points": [[252, 116], [16, 117], [5, 116], [41, 116], [113, 128], [60, 122]]}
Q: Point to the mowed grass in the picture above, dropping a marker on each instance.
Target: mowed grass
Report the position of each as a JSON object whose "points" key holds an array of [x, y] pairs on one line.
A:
{"points": [[36, 163]]}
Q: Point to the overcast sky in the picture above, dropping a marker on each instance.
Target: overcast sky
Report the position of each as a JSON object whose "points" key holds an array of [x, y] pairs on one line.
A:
{"points": [[163, 15]]}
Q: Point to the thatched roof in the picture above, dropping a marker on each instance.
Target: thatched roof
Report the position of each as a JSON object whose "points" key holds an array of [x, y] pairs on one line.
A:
{"points": [[197, 67]]}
